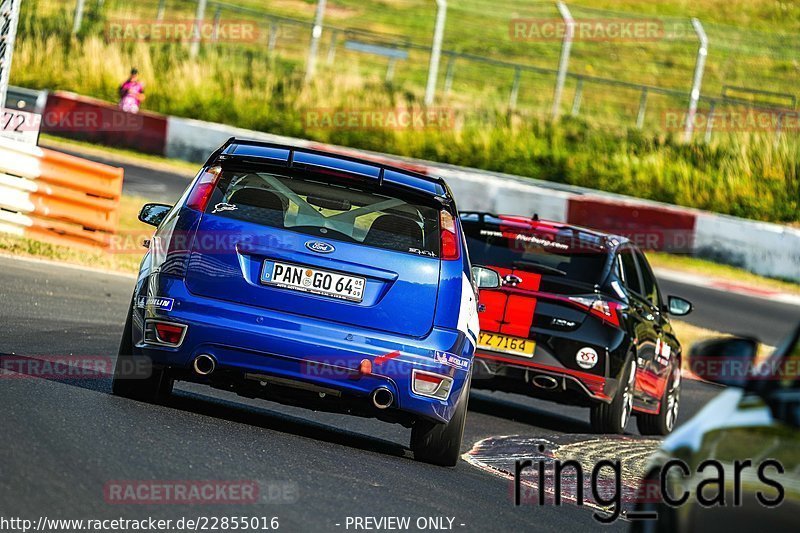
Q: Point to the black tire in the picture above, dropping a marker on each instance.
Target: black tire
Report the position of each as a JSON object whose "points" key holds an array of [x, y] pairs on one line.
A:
{"points": [[664, 422], [135, 377], [613, 417], [440, 444]]}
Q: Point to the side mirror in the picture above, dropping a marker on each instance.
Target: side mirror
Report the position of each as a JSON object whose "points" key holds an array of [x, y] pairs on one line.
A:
{"points": [[725, 360], [154, 214], [784, 404], [485, 278], [678, 306]]}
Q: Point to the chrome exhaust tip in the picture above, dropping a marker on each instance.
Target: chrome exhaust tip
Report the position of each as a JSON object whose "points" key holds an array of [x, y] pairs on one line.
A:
{"points": [[545, 382], [382, 398], [204, 364]]}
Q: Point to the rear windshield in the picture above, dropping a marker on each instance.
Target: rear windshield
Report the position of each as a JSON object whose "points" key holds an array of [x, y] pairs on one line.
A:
{"points": [[328, 209], [561, 253]]}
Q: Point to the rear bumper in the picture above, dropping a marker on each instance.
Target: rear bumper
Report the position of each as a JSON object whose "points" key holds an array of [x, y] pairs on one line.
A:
{"points": [[301, 352], [552, 372], [495, 371]]}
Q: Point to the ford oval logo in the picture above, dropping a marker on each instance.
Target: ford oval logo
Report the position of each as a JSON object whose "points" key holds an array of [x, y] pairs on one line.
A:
{"points": [[320, 247]]}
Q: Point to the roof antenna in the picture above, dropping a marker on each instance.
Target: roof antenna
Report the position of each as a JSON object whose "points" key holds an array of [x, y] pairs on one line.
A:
{"points": [[535, 217]]}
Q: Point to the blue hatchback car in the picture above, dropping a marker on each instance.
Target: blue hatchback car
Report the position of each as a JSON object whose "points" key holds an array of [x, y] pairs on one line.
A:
{"points": [[311, 279]]}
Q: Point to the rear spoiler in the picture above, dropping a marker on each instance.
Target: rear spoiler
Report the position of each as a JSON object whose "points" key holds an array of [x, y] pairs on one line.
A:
{"points": [[259, 152], [607, 239]]}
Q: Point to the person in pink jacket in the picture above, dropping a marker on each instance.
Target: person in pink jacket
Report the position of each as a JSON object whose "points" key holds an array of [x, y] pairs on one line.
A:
{"points": [[131, 93]]}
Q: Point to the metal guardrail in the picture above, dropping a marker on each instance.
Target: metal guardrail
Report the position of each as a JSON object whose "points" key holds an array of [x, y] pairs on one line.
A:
{"points": [[392, 53], [29, 100], [758, 97]]}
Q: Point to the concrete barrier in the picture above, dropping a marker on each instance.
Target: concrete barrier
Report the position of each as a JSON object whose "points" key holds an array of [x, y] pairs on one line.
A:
{"points": [[475, 191], [763, 248], [650, 226], [88, 119], [194, 140]]}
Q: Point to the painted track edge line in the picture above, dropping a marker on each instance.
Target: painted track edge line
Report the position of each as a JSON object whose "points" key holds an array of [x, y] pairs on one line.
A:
{"points": [[468, 457]]}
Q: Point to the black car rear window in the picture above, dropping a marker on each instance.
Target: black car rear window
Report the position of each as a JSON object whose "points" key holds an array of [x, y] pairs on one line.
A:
{"points": [[325, 208], [564, 254]]}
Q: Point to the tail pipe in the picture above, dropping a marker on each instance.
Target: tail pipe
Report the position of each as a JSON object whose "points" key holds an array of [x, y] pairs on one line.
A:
{"points": [[545, 382], [204, 364], [382, 398]]}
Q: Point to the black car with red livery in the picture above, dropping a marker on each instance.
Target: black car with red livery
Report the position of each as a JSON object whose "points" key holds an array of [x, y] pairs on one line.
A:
{"points": [[578, 319]]}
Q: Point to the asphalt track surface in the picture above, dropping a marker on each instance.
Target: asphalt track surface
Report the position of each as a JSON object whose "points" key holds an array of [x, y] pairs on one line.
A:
{"points": [[719, 310], [65, 440]]}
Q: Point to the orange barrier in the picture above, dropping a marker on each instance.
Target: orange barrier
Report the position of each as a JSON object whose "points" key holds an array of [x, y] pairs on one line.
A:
{"points": [[60, 198]]}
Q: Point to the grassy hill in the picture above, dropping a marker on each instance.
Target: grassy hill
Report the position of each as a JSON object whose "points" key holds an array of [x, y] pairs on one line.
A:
{"points": [[751, 174]]}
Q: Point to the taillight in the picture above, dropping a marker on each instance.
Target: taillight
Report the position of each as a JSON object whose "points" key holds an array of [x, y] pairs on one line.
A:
{"points": [[449, 241], [597, 306], [164, 333], [431, 385], [203, 189]]}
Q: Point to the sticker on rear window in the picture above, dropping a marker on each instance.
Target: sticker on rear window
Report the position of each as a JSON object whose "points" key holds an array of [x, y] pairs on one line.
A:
{"points": [[449, 359], [426, 253], [526, 239], [223, 206]]}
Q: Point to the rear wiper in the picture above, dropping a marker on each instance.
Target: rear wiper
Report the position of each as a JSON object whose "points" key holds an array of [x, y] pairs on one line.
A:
{"points": [[529, 265]]}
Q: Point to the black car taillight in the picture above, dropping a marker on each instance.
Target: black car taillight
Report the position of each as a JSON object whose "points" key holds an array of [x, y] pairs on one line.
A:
{"points": [[597, 306]]}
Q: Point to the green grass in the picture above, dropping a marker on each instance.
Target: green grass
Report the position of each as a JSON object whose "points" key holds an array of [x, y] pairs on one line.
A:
{"points": [[746, 175]]}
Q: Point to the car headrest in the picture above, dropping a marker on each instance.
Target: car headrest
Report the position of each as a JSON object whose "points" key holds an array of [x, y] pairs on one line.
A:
{"points": [[395, 232], [257, 197]]}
